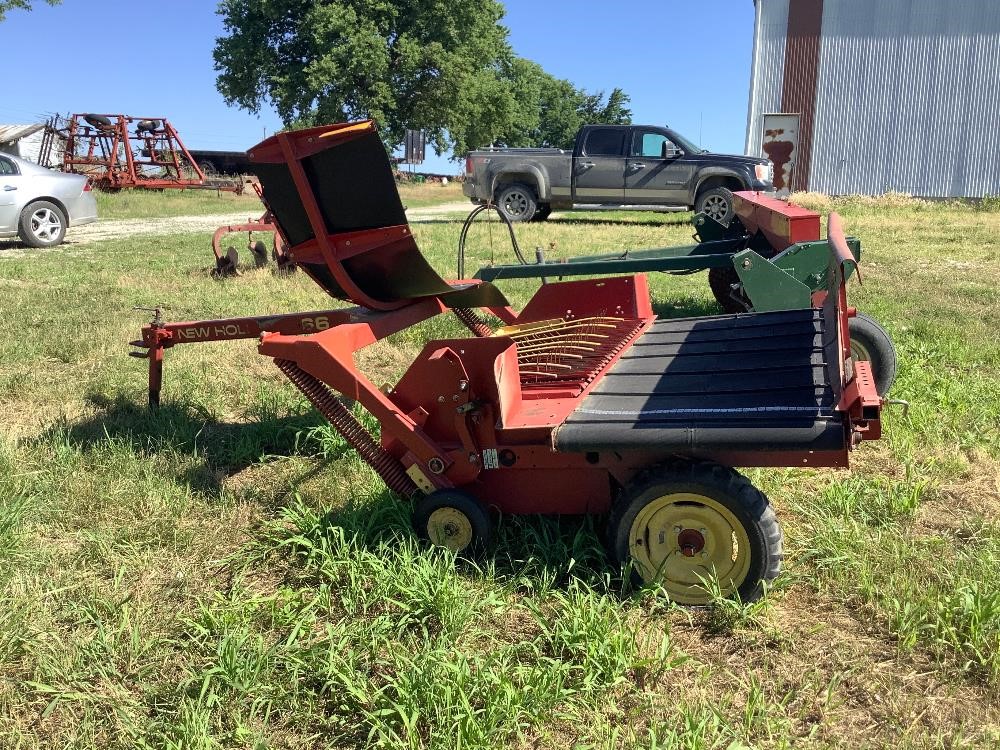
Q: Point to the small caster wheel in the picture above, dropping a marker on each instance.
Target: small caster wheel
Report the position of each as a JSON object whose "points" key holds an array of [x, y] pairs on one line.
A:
{"points": [[453, 519], [871, 343]]}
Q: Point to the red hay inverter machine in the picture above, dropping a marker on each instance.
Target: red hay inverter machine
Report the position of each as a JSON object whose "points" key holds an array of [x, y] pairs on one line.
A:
{"points": [[583, 402]]}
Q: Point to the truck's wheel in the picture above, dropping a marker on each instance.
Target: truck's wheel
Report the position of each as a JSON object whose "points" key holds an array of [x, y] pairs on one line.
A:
{"points": [[517, 201], [544, 209], [716, 203]]}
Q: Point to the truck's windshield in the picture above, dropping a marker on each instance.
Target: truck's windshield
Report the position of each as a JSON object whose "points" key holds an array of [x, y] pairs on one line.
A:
{"points": [[689, 146]]}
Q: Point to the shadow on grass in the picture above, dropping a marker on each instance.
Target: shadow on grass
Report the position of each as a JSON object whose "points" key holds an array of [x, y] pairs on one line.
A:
{"points": [[666, 219], [186, 428]]}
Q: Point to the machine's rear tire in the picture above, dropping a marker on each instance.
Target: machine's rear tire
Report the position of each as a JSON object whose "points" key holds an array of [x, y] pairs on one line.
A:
{"points": [[721, 281], [870, 342], [517, 201], [677, 525], [453, 519]]}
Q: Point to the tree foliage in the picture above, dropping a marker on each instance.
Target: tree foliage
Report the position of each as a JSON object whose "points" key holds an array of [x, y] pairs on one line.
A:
{"points": [[551, 110], [441, 65], [8, 5]]}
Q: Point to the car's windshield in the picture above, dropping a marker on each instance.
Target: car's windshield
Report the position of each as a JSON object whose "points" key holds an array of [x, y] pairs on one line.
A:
{"points": [[689, 146]]}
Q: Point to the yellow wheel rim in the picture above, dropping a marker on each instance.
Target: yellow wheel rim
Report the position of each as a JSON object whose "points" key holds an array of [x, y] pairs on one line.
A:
{"points": [[451, 528], [682, 540]]}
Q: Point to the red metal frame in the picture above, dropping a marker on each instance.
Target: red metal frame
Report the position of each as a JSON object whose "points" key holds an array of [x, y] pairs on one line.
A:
{"points": [[115, 156]]}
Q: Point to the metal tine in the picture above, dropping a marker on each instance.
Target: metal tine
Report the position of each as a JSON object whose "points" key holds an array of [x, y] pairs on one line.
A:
{"points": [[561, 325]]}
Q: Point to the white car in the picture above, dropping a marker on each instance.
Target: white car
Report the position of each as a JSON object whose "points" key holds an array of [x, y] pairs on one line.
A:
{"points": [[38, 204]]}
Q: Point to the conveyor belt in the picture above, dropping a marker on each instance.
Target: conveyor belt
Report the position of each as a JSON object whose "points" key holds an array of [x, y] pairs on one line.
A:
{"points": [[754, 381]]}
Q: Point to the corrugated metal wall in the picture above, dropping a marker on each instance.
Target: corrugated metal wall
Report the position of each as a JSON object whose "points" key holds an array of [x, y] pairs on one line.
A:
{"points": [[771, 25], [908, 95]]}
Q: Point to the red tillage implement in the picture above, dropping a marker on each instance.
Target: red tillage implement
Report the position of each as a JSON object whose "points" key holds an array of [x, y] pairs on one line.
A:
{"points": [[227, 263], [119, 152], [582, 403]]}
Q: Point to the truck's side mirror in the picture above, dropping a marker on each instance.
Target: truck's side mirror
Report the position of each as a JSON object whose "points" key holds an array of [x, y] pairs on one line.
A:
{"points": [[669, 151]]}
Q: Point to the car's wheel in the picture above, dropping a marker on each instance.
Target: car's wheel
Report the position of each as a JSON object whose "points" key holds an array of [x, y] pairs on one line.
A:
{"points": [[517, 201], [42, 224], [542, 213], [686, 525], [453, 519], [716, 203], [871, 343]]}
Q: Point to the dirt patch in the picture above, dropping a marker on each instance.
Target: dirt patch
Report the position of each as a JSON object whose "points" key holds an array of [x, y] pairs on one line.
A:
{"points": [[113, 229], [837, 675]]}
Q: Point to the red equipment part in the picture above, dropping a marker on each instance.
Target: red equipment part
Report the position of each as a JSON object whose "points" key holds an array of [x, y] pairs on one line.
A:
{"points": [[572, 400], [120, 152], [227, 262]]}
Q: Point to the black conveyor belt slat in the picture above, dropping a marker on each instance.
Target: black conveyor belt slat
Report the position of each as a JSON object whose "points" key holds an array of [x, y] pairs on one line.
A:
{"points": [[754, 381]]}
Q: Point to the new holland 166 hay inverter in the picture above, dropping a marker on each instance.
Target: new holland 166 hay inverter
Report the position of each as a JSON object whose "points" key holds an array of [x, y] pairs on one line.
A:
{"points": [[581, 403]]}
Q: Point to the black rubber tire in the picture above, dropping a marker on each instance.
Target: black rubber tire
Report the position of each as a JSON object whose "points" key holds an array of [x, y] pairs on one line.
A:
{"points": [[480, 528], [517, 201], [720, 483], [721, 281], [28, 215], [708, 201], [98, 121], [542, 212], [871, 342]]}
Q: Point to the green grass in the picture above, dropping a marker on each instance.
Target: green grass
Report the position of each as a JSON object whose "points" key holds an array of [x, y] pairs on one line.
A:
{"points": [[141, 204], [225, 573]]}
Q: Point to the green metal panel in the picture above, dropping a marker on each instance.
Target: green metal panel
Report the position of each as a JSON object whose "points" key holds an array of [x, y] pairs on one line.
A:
{"points": [[769, 287]]}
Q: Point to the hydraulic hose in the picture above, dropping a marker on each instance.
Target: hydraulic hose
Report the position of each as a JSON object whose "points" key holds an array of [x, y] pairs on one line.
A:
{"points": [[320, 396], [465, 233]]}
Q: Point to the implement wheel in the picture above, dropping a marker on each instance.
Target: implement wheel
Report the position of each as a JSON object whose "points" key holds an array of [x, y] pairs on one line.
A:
{"points": [[453, 519], [680, 526], [870, 342], [728, 290]]}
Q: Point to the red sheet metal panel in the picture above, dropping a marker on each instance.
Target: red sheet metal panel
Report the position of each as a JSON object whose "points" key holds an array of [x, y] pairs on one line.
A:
{"points": [[333, 196], [798, 93], [781, 223]]}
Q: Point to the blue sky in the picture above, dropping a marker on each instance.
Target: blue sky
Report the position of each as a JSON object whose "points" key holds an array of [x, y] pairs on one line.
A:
{"points": [[683, 64]]}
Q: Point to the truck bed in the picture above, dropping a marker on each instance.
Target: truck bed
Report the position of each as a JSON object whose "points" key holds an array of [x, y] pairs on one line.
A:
{"points": [[747, 382]]}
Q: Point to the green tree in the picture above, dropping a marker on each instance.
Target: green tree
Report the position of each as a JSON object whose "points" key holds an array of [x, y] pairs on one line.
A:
{"points": [[431, 64], [553, 109], [8, 5], [441, 65]]}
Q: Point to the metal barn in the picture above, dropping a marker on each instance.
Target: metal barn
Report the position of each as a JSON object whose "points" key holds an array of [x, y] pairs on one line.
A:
{"points": [[870, 96]]}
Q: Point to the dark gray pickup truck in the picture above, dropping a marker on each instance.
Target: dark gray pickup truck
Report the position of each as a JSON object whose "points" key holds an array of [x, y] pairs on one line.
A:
{"points": [[612, 165]]}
